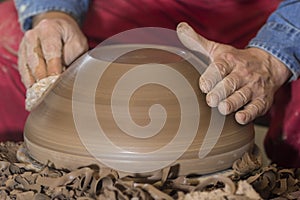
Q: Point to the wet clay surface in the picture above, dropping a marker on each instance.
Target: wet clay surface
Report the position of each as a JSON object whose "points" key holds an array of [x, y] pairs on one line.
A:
{"points": [[148, 97], [246, 180]]}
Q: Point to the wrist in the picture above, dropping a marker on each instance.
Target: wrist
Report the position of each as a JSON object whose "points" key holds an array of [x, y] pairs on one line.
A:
{"points": [[52, 15], [280, 72]]}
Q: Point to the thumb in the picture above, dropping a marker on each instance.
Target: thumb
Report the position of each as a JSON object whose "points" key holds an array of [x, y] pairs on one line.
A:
{"points": [[194, 41]]}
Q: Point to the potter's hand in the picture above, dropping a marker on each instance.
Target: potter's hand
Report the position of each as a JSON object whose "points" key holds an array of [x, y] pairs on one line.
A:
{"points": [[236, 79], [55, 41]]}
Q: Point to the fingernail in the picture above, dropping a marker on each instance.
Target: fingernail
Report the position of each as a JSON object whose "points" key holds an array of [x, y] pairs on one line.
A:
{"points": [[205, 85], [241, 118], [212, 100], [224, 108]]}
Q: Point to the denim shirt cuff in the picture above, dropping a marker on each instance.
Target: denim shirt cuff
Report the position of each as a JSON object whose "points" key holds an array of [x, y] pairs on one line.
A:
{"points": [[282, 41], [27, 9]]}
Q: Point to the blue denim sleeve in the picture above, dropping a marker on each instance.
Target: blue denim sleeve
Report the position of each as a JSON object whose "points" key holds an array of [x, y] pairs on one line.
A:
{"points": [[29, 8], [280, 36]]}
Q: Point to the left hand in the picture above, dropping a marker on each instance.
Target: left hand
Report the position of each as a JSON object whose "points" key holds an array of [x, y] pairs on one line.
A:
{"points": [[52, 44]]}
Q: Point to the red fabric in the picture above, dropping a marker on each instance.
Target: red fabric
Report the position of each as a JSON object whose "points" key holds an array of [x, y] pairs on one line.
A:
{"points": [[12, 112], [232, 22], [282, 142]]}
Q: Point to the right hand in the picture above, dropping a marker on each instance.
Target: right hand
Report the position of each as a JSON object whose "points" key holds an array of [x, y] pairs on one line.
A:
{"points": [[52, 44], [237, 80]]}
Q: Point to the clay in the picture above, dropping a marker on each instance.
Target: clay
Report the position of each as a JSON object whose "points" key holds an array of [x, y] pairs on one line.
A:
{"points": [[137, 113], [35, 93]]}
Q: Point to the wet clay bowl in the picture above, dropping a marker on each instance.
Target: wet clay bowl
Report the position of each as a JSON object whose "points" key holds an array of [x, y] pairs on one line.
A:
{"points": [[136, 109]]}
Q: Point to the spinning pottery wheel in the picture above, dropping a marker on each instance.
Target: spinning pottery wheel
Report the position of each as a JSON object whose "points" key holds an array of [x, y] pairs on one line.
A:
{"points": [[136, 109]]}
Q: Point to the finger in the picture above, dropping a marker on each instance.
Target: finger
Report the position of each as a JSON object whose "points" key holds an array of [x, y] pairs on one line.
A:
{"points": [[74, 49], [254, 109], [35, 58], [39, 70], [215, 72], [223, 89], [238, 99], [54, 66], [23, 68], [52, 50], [194, 41]]}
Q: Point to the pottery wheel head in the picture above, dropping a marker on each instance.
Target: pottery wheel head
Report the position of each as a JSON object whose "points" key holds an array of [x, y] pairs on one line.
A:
{"points": [[135, 107]]}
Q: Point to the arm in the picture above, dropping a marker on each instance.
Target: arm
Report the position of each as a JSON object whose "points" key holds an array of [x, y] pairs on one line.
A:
{"points": [[280, 36], [27, 9]]}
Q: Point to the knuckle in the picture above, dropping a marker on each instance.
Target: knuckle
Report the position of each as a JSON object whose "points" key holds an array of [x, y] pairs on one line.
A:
{"points": [[29, 34], [45, 23], [229, 55], [254, 108], [259, 107], [244, 94], [230, 82], [221, 68], [262, 103]]}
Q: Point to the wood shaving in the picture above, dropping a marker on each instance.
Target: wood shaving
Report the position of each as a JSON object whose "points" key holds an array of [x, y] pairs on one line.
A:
{"points": [[18, 181]]}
